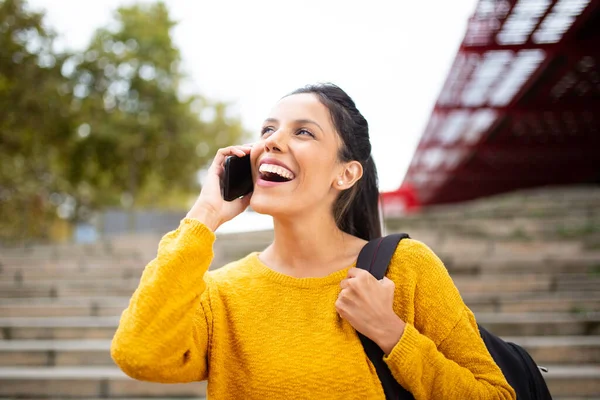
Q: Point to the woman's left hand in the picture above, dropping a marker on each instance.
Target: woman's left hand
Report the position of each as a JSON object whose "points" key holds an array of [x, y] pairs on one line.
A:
{"points": [[367, 304]]}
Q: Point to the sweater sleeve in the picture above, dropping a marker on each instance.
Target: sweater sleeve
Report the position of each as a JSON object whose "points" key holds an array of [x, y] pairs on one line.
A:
{"points": [[164, 334], [441, 355]]}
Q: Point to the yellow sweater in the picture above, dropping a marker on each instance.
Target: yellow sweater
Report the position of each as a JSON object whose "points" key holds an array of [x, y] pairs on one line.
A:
{"points": [[258, 334]]}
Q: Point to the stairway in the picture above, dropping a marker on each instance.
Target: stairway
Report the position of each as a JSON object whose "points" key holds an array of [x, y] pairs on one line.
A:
{"points": [[528, 265], [530, 275]]}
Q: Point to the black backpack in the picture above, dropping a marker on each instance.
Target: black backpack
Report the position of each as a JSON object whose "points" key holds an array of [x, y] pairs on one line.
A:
{"points": [[516, 364]]}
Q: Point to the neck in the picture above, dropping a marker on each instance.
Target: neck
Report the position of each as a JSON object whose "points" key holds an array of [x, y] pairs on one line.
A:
{"points": [[311, 244]]}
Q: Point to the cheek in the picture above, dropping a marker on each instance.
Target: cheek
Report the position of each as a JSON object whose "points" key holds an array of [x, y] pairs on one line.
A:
{"points": [[317, 175]]}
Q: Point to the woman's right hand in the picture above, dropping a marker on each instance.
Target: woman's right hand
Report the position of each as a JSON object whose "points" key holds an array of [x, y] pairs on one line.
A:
{"points": [[210, 208]]}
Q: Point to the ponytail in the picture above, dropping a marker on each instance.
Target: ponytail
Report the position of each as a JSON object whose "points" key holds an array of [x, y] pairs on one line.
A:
{"points": [[356, 210]]}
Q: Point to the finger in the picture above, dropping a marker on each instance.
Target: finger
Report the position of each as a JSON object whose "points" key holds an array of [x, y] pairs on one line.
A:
{"points": [[386, 282], [341, 307], [240, 151], [360, 274], [220, 156], [245, 200], [233, 150], [246, 147], [225, 152], [347, 296], [355, 272], [345, 283]]}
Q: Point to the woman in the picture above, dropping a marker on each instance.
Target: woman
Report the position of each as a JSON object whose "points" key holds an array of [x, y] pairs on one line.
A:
{"points": [[281, 324]]}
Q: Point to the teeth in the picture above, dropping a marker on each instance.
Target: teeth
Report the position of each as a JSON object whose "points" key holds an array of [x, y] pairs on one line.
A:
{"points": [[276, 169]]}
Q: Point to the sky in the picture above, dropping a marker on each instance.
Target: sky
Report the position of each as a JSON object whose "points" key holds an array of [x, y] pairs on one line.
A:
{"points": [[390, 56]]}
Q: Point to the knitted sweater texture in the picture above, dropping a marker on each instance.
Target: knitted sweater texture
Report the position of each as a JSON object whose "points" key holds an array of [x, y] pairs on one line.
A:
{"points": [[254, 333]]}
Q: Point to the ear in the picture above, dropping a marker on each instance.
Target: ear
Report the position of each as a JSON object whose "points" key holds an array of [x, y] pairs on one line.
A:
{"points": [[351, 172]]}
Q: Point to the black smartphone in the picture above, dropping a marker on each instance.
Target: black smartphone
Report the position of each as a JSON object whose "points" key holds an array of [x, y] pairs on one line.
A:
{"points": [[236, 180]]}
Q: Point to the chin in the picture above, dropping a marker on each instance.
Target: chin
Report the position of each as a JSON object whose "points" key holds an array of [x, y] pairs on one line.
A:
{"points": [[263, 203]]}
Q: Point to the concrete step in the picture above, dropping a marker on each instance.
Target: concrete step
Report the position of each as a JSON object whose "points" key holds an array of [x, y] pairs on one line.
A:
{"points": [[25, 260], [560, 228], [540, 324], [541, 302], [504, 283], [74, 263], [464, 263], [497, 296], [20, 275], [560, 350], [43, 274], [86, 382], [70, 288], [58, 328], [545, 251], [63, 307], [576, 398], [101, 299], [530, 282], [573, 381], [582, 282], [563, 350], [59, 353], [565, 227], [485, 247]]}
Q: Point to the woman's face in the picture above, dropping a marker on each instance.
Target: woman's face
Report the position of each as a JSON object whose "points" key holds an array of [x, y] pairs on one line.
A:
{"points": [[295, 162]]}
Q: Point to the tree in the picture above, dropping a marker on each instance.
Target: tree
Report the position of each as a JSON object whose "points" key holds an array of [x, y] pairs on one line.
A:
{"points": [[35, 121], [104, 127], [139, 139]]}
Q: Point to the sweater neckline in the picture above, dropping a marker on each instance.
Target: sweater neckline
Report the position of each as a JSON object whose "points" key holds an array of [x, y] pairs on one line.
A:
{"points": [[311, 282]]}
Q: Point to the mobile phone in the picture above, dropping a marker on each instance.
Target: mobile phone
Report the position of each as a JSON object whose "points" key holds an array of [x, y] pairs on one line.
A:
{"points": [[236, 180]]}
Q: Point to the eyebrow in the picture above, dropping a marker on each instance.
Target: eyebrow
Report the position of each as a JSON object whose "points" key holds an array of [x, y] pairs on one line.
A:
{"points": [[298, 121]]}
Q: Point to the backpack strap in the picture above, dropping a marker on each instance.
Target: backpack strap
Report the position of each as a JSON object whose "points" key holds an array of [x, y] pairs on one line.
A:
{"points": [[375, 257]]}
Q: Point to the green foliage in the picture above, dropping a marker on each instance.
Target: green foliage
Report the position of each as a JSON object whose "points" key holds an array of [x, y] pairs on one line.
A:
{"points": [[579, 310], [595, 269], [520, 235], [577, 230], [107, 126], [138, 133], [35, 121]]}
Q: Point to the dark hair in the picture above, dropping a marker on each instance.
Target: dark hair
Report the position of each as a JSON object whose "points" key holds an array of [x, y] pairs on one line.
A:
{"points": [[356, 209]]}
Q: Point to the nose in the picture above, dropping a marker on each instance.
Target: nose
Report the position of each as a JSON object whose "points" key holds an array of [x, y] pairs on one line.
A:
{"points": [[276, 142]]}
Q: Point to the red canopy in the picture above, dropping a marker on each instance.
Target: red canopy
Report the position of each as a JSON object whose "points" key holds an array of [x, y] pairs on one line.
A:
{"points": [[520, 106]]}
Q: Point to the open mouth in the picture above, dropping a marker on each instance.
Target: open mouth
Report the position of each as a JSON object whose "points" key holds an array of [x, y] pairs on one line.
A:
{"points": [[273, 177], [275, 173]]}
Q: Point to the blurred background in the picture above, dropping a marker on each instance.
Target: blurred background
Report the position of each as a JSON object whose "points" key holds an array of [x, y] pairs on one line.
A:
{"points": [[484, 118]]}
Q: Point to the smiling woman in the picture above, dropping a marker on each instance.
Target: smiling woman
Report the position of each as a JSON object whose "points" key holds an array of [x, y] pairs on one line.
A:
{"points": [[283, 323], [329, 156]]}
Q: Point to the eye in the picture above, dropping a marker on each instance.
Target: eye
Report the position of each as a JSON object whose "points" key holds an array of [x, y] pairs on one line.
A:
{"points": [[265, 130], [305, 132]]}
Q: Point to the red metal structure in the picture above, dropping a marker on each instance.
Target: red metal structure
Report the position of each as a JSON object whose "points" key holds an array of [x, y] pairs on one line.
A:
{"points": [[520, 106]]}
